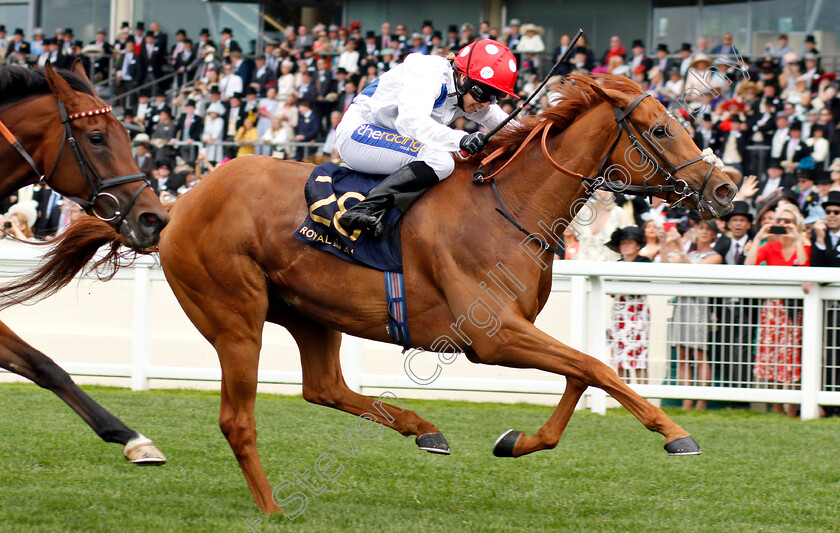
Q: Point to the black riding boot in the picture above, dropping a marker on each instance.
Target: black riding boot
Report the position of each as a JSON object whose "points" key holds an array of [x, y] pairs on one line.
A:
{"points": [[401, 188]]}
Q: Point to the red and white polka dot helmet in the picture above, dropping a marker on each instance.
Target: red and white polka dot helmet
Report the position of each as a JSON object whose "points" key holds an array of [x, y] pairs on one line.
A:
{"points": [[488, 62]]}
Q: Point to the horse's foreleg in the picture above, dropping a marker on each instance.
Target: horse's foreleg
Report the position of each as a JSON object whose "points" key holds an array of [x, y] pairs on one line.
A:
{"points": [[19, 357], [323, 384], [515, 443], [525, 346]]}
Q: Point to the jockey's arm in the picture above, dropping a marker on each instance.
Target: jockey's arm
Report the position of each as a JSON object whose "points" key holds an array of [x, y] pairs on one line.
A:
{"points": [[415, 103]]}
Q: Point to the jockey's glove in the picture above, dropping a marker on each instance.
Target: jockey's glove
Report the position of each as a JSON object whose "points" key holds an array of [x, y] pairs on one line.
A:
{"points": [[473, 143]]}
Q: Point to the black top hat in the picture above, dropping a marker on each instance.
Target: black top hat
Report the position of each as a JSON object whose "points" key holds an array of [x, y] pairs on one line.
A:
{"points": [[80, 44], [140, 26], [19, 31], [795, 125], [68, 31], [427, 23], [227, 30], [833, 199], [805, 174], [237, 95], [150, 33], [214, 89], [452, 28], [181, 30], [3, 28], [775, 163], [637, 42], [49, 41], [685, 47], [370, 35], [163, 164], [437, 34], [630, 232], [204, 31], [250, 90], [810, 39], [125, 24], [822, 177], [739, 208], [662, 47]]}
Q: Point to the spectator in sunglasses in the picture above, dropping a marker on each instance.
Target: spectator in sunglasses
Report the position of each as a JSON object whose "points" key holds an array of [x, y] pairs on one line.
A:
{"points": [[398, 124]]}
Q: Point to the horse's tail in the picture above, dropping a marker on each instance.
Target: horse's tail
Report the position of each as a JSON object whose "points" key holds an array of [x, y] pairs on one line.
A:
{"points": [[70, 253]]}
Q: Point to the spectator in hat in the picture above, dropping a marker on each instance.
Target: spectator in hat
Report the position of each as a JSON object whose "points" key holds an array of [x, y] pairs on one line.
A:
{"points": [[143, 155], [22, 216], [563, 45], [834, 174], [731, 133], [151, 62], [531, 44], [127, 72], [810, 47], [512, 34], [662, 61], [36, 45], [204, 40], [686, 57], [18, 46], [467, 35], [263, 76], [774, 180], [52, 53], [825, 252], [100, 45], [417, 45], [807, 194], [639, 58], [737, 318], [794, 149], [4, 43], [186, 63], [165, 181], [230, 83], [178, 47], [726, 48], [630, 329], [228, 45], [308, 129], [67, 41], [427, 29], [246, 138], [369, 47]]}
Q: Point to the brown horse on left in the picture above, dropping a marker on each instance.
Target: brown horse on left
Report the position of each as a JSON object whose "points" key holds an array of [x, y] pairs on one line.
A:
{"points": [[57, 130]]}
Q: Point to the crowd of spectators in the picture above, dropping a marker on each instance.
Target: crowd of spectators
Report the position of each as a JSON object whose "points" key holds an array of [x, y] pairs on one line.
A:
{"points": [[773, 120]]}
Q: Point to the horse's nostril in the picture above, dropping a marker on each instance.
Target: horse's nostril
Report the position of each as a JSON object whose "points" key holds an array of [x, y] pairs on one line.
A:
{"points": [[149, 221], [725, 192]]}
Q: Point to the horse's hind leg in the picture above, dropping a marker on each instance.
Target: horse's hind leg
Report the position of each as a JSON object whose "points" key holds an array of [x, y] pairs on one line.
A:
{"points": [[21, 358], [323, 384]]}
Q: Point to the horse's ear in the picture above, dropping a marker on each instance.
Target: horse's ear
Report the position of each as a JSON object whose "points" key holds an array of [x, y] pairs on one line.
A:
{"points": [[59, 85], [79, 68], [611, 96]]}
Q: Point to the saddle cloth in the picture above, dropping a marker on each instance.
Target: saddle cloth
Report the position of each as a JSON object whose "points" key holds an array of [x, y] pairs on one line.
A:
{"points": [[331, 190]]}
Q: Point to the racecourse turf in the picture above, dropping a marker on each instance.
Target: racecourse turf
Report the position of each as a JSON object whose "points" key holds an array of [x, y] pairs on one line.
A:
{"points": [[758, 472]]}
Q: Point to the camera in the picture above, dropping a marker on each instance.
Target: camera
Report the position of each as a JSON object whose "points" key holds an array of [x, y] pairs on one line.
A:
{"points": [[7, 225], [778, 230]]}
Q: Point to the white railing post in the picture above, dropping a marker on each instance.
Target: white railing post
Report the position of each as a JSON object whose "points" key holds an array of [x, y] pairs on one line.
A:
{"points": [[353, 362], [579, 322], [141, 352], [597, 339], [812, 329]]}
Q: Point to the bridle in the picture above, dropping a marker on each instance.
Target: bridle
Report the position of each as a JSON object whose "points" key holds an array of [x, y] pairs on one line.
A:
{"points": [[95, 182], [622, 117], [673, 184]]}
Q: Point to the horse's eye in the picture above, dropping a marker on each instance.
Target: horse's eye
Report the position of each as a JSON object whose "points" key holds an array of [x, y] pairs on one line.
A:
{"points": [[97, 138], [659, 132]]}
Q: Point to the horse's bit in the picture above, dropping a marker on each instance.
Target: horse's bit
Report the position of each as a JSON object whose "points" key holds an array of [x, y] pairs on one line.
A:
{"points": [[95, 182]]}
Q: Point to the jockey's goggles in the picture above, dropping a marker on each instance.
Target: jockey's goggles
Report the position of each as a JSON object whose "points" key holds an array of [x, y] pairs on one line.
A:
{"points": [[484, 93]]}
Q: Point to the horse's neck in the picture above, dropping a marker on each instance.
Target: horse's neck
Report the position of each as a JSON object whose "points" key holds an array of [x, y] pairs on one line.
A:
{"points": [[31, 130], [541, 196]]}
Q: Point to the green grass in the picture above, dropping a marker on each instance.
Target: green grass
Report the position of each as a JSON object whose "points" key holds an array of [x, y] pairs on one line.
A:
{"points": [[758, 472]]}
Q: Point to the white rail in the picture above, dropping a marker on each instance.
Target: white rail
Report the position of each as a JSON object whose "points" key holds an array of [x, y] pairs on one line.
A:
{"points": [[132, 328]]}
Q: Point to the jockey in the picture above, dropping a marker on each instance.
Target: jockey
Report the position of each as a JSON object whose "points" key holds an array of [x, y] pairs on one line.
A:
{"points": [[398, 124]]}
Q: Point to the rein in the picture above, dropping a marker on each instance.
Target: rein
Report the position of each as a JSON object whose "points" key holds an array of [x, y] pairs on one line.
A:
{"points": [[622, 118], [96, 183]]}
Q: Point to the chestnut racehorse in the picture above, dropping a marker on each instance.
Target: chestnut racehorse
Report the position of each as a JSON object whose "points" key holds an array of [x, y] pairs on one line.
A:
{"points": [[58, 131], [233, 263]]}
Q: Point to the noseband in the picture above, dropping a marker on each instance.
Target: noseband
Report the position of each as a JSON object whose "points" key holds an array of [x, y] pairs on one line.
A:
{"points": [[95, 182]]}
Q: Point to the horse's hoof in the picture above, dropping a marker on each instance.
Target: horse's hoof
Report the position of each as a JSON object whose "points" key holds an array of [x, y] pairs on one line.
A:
{"points": [[142, 451], [683, 446], [504, 444], [433, 443]]}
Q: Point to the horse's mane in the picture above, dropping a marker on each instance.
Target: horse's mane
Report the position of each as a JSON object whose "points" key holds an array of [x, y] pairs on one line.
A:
{"points": [[577, 98], [18, 83]]}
